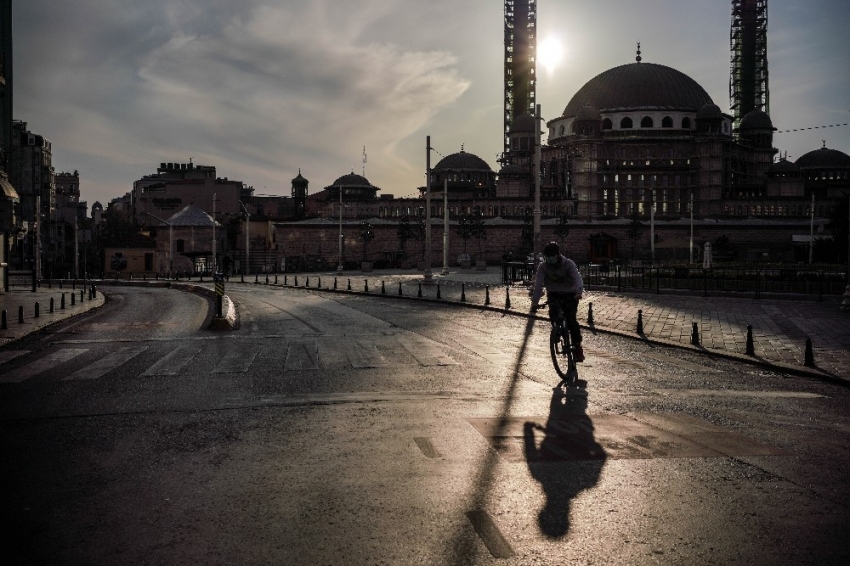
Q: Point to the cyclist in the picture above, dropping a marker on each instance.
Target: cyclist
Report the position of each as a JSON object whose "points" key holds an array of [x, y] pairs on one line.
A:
{"points": [[564, 286]]}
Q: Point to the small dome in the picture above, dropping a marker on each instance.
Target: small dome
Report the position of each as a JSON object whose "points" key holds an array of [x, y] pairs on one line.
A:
{"points": [[783, 167], [756, 120], [823, 157], [299, 179], [463, 161], [352, 180], [512, 170], [588, 112], [709, 112], [523, 123]]}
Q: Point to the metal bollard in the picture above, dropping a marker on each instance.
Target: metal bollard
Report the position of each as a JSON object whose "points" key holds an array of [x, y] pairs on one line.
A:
{"points": [[82, 295], [51, 304], [307, 282], [695, 334], [366, 285], [399, 288], [383, 289], [590, 314], [438, 291], [507, 297], [20, 314], [751, 350], [640, 322], [275, 278], [267, 278], [93, 292], [420, 291], [487, 295], [256, 278], [73, 299], [36, 309], [3, 323], [335, 284], [296, 281], [462, 293], [810, 354], [62, 302], [349, 283], [320, 283]]}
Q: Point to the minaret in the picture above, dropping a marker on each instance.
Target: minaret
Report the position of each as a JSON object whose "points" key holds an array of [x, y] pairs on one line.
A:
{"points": [[520, 61], [299, 195], [748, 89]]}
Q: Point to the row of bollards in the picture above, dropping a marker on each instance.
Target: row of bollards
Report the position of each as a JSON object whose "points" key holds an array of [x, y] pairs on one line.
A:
{"points": [[4, 323]]}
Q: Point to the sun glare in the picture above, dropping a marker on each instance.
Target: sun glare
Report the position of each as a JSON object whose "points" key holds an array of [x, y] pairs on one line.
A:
{"points": [[550, 53]]}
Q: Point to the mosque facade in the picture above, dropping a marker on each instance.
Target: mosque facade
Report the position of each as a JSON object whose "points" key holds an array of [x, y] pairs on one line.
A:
{"points": [[640, 142]]}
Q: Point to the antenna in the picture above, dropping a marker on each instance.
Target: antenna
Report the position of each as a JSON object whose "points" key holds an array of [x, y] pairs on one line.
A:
{"points": [[364, 161]]}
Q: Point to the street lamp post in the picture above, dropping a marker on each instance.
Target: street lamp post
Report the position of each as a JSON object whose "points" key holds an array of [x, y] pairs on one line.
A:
{"points": [[428, 277], [247, 267], [339, 265], [537, 212], [445, 226]]}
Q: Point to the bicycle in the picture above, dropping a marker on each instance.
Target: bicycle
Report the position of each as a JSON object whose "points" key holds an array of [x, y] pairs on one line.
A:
{"points": [[561, 348]]}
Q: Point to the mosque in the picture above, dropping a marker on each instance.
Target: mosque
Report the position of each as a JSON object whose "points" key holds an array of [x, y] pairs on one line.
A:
{"points": [[640, 142]]}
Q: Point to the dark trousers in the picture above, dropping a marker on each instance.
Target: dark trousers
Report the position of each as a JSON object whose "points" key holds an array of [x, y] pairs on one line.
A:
{"points": [[569, 306]]}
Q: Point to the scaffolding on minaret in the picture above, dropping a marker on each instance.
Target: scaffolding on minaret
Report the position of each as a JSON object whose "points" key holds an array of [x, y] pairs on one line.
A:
{"points": [[520, 61], [748, 85]]}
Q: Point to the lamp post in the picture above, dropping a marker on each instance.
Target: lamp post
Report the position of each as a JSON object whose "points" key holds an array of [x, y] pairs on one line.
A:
{"points": [[812, 231], [428, 276], [170, 242], [339, 265], [652, 226], [691, 245], [445, 225], [247, 268], [214, 246]]}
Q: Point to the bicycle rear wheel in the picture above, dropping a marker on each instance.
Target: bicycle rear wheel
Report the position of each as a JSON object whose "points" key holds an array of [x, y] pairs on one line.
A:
{"points": [[562, 356]]}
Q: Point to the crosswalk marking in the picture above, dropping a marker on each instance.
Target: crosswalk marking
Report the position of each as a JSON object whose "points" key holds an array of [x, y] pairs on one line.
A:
{"points": [[47, 362], [106, 364], [486, 350], [364, 354], [237, 360], [11, 355], [173, 362], [426, 352], [302, 355]]}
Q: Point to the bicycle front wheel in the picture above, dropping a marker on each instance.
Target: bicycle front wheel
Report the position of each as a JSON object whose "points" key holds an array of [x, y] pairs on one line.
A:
{"points": [[559, 347]]}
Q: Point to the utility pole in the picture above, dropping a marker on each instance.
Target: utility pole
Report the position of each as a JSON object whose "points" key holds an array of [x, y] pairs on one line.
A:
{"points": [[652, 226], [536, 244], [428, 278], [339, 265], [213, 241], [445, 226], [247, 267], [692, 228], [812, 232]]}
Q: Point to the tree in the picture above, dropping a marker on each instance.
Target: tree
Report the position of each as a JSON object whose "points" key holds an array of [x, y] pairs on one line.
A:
{"points": [[634, 231], [839, 227], [365, 235], [479, 230], [562, 229], [405, 231], [417, 232]]}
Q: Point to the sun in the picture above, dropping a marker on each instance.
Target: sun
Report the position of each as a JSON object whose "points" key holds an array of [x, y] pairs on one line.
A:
{"points": [[549, 53]]}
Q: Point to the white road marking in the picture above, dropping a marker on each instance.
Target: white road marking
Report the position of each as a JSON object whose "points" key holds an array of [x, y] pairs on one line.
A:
{"points": [[47, 362], [106, 364], [237, 361], [302, 355], [427, 352], [11, 355], [173, 362]]}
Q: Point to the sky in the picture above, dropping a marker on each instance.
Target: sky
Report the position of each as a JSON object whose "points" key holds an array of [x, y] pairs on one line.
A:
{"points": [[263, 89]]}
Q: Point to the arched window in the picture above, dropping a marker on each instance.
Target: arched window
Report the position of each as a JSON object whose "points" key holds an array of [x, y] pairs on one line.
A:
{"points": [[686, 123], [181, 246], [667, 122], [625, 123], [606, 124], [561, 130], [646, 122]]}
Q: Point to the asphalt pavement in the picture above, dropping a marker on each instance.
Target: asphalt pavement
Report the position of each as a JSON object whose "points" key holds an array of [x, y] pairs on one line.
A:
{"points": [[716, 325]]}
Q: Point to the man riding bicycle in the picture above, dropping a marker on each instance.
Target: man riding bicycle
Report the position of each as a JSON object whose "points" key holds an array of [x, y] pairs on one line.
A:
{"points": [[564, 286]]}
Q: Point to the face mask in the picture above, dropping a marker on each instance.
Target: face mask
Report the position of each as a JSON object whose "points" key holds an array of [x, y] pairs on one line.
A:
{"points": [[552, 260]]}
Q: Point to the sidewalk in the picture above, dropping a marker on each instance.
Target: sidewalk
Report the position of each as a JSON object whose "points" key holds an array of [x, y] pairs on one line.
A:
{"points": [[780, 326], [13, 300]]}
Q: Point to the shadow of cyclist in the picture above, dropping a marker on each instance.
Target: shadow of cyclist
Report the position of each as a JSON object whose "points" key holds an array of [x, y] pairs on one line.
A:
{"points": [[564, 457]]}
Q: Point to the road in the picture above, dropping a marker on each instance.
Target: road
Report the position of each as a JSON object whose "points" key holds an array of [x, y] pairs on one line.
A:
{"points": [[336, 429]]}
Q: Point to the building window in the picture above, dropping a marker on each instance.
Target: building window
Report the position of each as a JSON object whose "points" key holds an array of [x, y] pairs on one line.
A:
{"points": [[667, 122], [625, 123], [646, 122], [181, 246], [686, 123], [606, 124]]}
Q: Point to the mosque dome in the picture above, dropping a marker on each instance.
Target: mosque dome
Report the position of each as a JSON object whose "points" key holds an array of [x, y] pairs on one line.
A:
{"points": [[588, 112], [639, 86], [756, 120], [352, 180], [709, 111], [463, 161], [783, 168], [822, 158]]}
